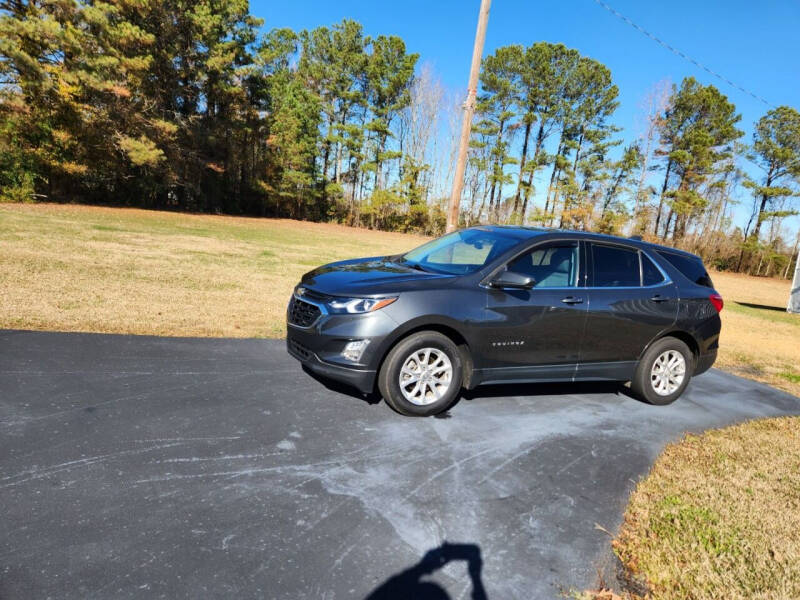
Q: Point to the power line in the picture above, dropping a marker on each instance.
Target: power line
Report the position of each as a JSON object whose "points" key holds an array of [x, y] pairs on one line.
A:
{"points": [[683, 55]]}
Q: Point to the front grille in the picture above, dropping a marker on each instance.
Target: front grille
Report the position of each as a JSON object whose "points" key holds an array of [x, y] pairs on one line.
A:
{"points": [[303, 314], [299, 350]]}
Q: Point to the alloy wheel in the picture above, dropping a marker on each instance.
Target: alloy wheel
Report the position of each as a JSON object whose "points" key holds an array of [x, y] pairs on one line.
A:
{"points": [[425, 376], [668, 372]]}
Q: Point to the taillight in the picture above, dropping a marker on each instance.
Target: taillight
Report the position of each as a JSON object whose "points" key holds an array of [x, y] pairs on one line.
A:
{"points": [[716, 300]]}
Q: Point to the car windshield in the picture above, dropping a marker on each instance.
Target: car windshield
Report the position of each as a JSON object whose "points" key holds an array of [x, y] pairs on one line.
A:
{"points": [[461, 252]]}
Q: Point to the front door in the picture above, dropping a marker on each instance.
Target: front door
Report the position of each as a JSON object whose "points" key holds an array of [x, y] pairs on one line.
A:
{"points": [[537, 333]]}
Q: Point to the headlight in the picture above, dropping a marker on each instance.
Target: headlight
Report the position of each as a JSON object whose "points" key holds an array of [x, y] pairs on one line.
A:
{"points": [[358, 305]]}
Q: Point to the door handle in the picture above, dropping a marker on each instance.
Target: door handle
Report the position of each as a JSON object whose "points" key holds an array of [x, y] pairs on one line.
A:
{"points": [[572, 300], [658, 298]]}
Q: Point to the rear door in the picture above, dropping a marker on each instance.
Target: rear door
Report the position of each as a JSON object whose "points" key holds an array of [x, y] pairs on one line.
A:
{"points": [[631, 301]]}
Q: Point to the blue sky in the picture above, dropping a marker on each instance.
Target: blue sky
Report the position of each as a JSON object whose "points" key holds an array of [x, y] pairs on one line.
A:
{"points": [[754, 44]]}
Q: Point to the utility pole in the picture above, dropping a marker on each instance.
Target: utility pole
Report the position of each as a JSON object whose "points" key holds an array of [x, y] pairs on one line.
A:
{"points": [[466, 123]]}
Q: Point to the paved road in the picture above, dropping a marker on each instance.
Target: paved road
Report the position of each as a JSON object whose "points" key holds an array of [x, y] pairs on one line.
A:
{"points": [[154, 467]]}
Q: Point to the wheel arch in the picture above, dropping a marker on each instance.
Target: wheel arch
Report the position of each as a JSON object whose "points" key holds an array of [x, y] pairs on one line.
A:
{"points": [[439, 326], [683, 335]]}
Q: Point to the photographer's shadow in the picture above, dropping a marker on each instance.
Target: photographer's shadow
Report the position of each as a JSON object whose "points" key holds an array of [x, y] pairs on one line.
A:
{"points": [[409, 585]]}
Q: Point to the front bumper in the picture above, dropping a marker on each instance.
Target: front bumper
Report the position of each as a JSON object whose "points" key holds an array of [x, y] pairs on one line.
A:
{"points": [[319, 346], [361, 379]]}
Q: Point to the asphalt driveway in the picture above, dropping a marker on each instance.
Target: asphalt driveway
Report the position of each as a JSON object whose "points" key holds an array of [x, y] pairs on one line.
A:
{"points": [[158, 467]]}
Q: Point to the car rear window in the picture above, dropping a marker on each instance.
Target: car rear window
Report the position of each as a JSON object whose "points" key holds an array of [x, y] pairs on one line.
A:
{"points": [[650, 273], [615, 267], [691, 267]]}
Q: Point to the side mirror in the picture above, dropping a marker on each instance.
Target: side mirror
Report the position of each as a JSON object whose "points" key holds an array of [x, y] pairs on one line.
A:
{"points": [[511, 279]]}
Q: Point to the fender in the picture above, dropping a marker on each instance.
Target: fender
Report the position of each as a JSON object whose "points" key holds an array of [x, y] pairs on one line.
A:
{"points": [[681, 334], [433, 321]]}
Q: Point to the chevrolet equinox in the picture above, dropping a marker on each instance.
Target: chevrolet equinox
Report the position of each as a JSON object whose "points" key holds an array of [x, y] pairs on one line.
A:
{"points": [[496, 304]]}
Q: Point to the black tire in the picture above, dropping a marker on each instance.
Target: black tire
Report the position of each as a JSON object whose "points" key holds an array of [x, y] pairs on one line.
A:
{"points": [[389, 376], [644, 383]]}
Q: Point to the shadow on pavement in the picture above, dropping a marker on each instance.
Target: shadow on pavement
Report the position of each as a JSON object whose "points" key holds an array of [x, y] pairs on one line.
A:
{"points": [[547, 389], [408, 584], [343, 388], [493, 391]]}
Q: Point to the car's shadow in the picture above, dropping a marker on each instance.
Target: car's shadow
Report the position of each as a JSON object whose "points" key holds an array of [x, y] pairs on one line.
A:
{"points": [[565, 388], [343, 388], [496, 391], [762, 306]]}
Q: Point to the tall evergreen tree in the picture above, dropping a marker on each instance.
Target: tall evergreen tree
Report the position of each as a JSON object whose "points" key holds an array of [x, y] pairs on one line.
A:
{"points": [[389, 73], [590, 98], [698, 131], [776, 150], [497, 109], [542, 77], [332, 62]]}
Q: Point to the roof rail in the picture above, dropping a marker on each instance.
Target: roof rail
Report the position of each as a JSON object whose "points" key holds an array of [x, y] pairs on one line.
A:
{"points": [[638, 238]]}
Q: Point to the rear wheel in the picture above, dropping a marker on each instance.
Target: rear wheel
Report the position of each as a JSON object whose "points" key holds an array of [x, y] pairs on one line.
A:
{"points": [[663, 372], [421, 375]]}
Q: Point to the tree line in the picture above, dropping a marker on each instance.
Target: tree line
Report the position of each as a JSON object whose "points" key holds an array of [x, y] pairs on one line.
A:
{"points": [[191, 106]]}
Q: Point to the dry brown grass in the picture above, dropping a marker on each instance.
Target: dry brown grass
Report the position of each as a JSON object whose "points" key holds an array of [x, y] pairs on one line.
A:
{"points": [[80, 268], [719, 516], [760, 341]]}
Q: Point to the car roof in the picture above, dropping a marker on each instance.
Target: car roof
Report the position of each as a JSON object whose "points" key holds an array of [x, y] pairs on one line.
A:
{"points": [[524, 232]]}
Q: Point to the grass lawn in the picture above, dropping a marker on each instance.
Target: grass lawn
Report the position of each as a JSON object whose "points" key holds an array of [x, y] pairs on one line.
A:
{"points": [[719, 516], [81, 268]]}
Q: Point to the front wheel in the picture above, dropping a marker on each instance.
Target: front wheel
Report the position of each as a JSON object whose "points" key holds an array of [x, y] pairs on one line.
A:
{"points": [[421, 375], [663, 372]]}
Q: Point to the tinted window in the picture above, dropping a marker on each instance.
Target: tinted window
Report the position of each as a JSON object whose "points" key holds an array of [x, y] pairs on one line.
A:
{"points": [[460, 252], [550, 265], [691, 267], [615, 267], [650, 273]]}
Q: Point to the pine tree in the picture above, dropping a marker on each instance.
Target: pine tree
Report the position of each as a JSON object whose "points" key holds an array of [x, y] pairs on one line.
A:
{"points": [[698, 131], [541, 80], [776, 150], [389, 73], [497, 109]]}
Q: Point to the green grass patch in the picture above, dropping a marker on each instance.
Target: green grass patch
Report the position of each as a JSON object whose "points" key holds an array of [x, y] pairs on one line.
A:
{"points": [[793, 377], [768, 314], [107, 228]]}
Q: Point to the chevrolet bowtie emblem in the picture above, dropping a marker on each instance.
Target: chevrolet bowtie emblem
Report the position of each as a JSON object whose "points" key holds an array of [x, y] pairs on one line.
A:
{"points": [[301, 291]]}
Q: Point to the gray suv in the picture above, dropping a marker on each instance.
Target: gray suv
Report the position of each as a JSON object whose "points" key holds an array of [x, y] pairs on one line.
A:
{"points": [[500, 304]]}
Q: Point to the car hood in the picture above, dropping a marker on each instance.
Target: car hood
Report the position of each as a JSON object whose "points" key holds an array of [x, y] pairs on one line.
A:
{"points": [[374, 276]]}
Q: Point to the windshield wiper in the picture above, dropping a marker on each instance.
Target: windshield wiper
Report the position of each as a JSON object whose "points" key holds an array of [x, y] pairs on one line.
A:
{"points": [[417, 266], [412, 265]]}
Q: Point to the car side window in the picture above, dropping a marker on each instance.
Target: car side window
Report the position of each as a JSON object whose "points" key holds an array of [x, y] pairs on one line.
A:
{"points": [[650, 273], [691, 267], [615, 266], [550, 265]]}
